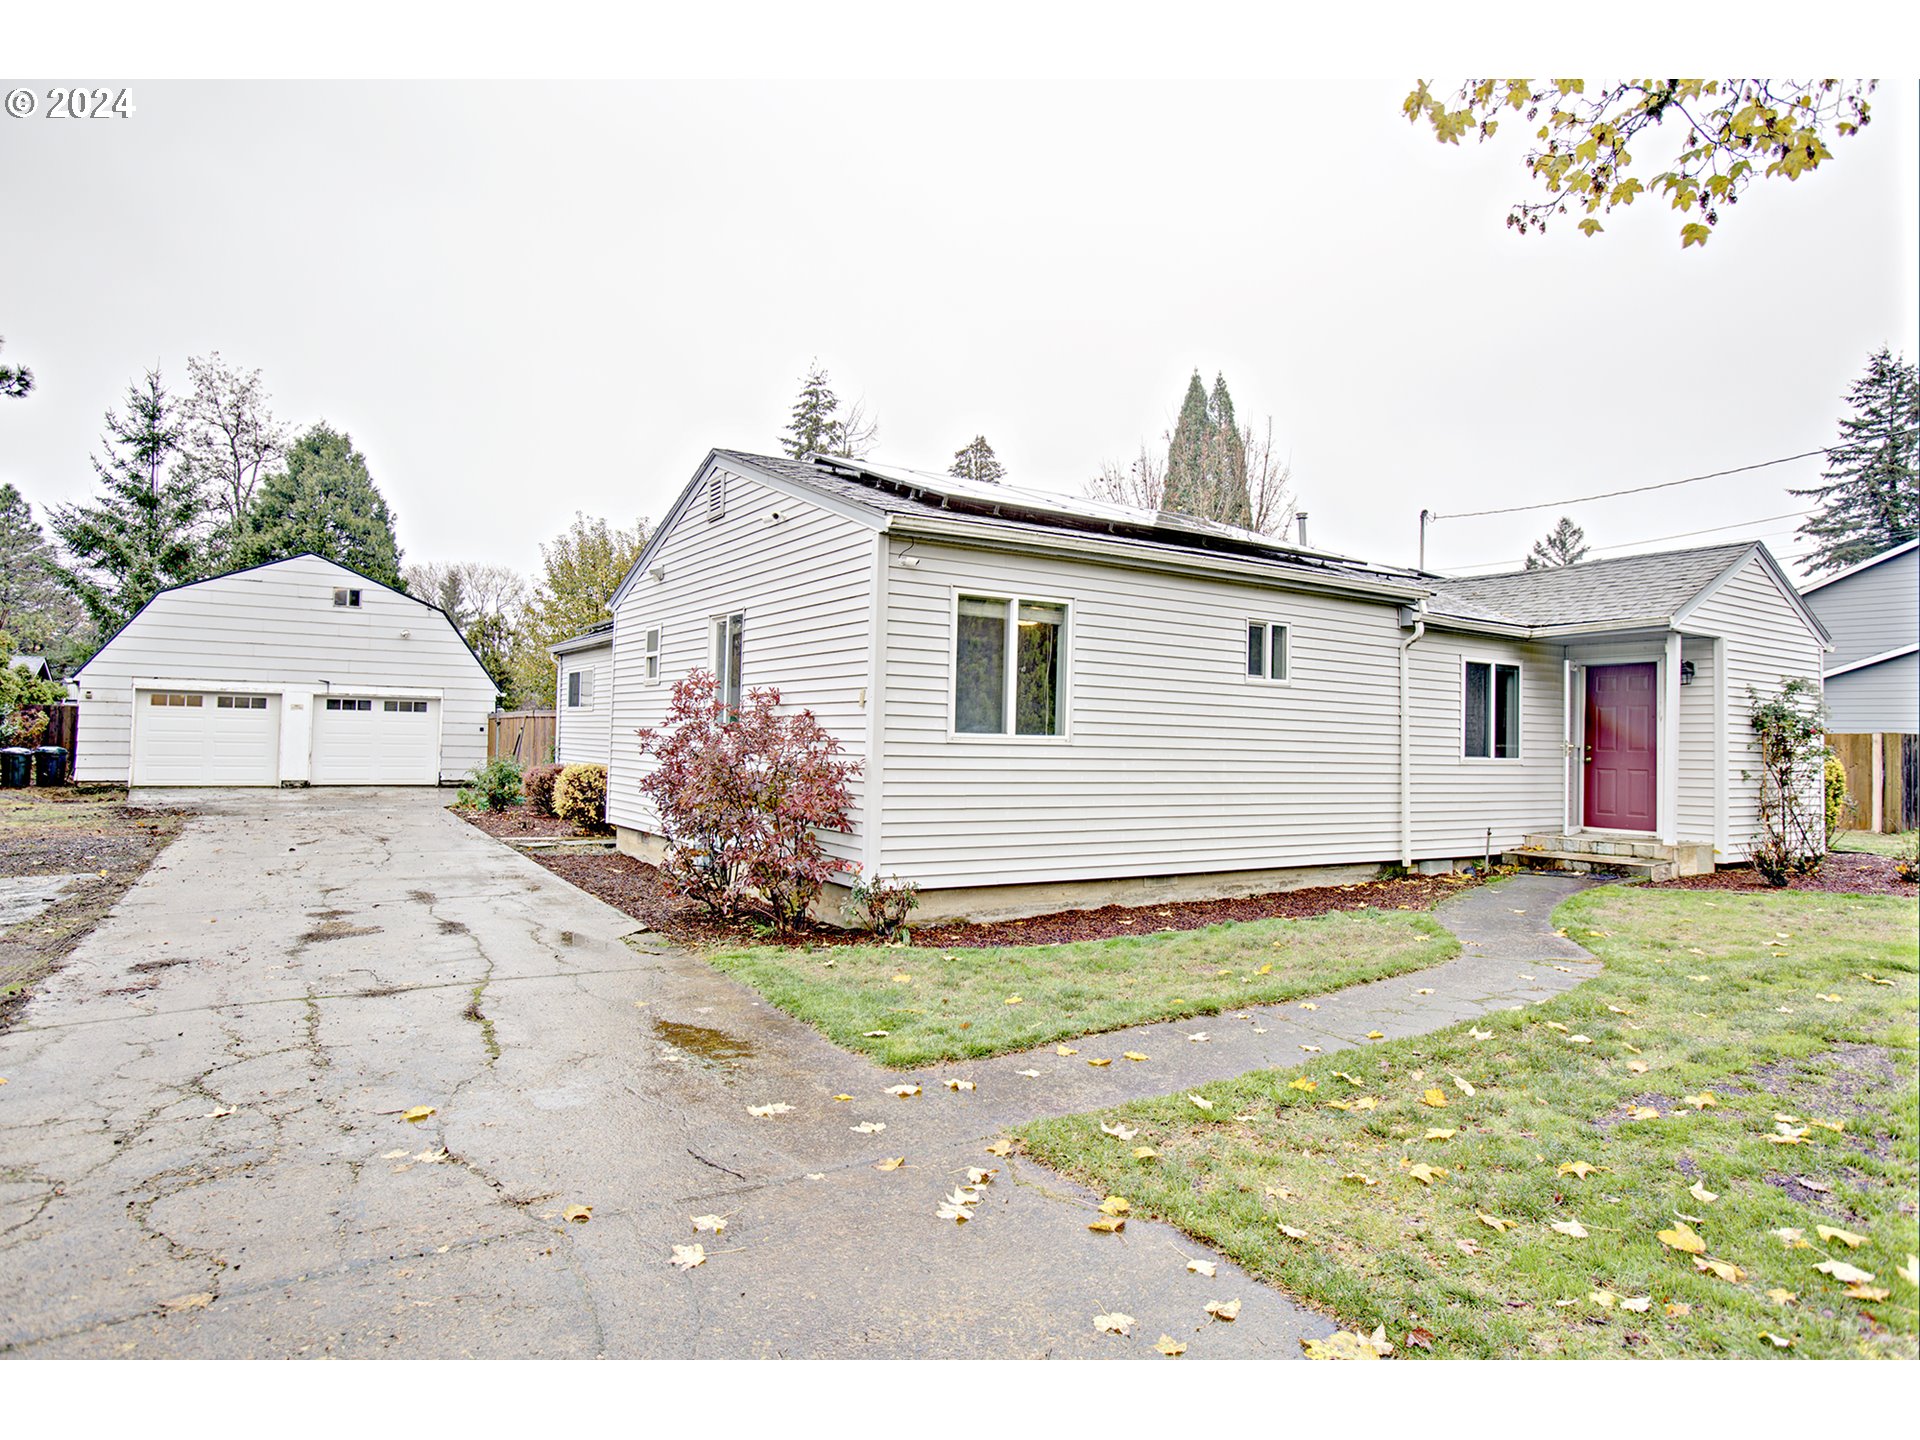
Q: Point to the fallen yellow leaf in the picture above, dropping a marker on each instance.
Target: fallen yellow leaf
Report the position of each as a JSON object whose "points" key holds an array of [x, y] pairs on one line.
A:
{"points": [[417, 1114], [1845, 1237], [1681, 1237], [893, 1163], [1114, 1323], [1227, 1310], [578, 1214], [1169, 1347]]}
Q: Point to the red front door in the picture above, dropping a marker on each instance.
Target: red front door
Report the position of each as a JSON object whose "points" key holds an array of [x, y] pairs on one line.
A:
{"points": [[1622, 721]]}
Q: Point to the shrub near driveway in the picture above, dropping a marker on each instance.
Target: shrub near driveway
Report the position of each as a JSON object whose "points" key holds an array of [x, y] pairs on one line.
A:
{"points": [[1759, 1048], [964, 1003]]}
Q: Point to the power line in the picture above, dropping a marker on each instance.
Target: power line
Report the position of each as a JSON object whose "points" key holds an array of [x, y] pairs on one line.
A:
{"points": [[1636, 490], [1681, 535]]}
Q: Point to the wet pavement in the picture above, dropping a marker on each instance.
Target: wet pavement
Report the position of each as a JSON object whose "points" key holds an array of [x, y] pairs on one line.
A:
{"points": [[204, 1149]]}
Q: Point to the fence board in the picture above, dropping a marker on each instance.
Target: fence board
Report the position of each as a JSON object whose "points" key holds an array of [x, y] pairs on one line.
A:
{"points": [[523, 735], [1899, 779]]}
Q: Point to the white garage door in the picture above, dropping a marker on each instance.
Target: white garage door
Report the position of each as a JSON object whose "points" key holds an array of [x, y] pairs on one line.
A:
{"points": [[364, 741], [196, 738]]}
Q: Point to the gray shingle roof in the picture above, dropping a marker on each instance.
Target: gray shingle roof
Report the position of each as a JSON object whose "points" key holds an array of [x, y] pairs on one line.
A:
{"points": [[1632, 587]]}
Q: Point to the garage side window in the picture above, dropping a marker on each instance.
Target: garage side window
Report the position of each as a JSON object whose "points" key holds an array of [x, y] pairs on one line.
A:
{"points": [[191, 702], [347, 598], [241, 702], [349, 705], [579, 689]]}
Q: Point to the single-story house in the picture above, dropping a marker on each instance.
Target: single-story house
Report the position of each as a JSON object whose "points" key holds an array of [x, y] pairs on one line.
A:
{"points": [[1873, 680], [583, 697], [1061, 702], [297, 672]]}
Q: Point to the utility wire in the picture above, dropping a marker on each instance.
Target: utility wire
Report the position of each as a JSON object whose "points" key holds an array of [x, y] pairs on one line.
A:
{"points": [[1636, 490], [1681, 535]]}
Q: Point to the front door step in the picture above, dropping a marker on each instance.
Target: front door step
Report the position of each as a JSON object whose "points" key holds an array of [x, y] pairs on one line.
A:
{"points": [[1612, 854]]}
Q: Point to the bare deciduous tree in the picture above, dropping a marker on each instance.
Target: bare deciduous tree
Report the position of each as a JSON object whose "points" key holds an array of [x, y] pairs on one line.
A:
{"points": [[231, 436]]}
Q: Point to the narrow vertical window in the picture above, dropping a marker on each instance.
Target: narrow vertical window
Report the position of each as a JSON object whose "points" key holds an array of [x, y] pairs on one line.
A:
{"points": [[653, 656], [1506, 711], [1256, 650], [728, 650], [1479, 683], [1039, 668]]}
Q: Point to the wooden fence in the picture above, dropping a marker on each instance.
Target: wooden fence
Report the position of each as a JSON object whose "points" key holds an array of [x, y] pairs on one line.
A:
{"points": [[1883, 780], [524, 735]]}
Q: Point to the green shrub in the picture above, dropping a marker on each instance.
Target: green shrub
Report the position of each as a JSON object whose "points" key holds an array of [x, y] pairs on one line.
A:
{"points": [[493, 786], [1907, 863], [580, 796], [539, 787], [883, 905], [1837, 796]]}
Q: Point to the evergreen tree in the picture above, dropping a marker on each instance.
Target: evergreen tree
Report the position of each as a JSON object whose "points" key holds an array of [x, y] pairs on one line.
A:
{"points": [[1565, 544], [1185, 492], [1871, 500], [1226, 461], [817, 426], [976, 461], [39, 615], [148, 528], [324, 503], [16, 381]]}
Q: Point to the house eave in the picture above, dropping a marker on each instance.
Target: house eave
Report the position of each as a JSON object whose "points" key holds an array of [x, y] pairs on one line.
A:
{"points": [[1132, 556]]}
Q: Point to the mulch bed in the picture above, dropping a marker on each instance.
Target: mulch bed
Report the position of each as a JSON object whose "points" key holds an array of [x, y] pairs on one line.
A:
{"points": [[1843, 873], [519, 823], [638, 889]]}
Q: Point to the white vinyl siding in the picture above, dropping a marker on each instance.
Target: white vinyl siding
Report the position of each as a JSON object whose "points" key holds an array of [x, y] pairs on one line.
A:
{"points": [[1876, 699], [275, 630], [1172, 762], [804, 585], [1766, 643], [1871, 611], [1695, 816], [1458, 799], [583, 732]]}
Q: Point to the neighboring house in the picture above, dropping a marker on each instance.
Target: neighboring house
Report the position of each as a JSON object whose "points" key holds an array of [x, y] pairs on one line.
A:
{"points": [[1873, 680], [583, 701], [35, 665], [1061, 702], [292, 673]]}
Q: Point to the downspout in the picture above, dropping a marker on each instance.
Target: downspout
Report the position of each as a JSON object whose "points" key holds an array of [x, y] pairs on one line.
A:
{"points": [[1409, 615]]}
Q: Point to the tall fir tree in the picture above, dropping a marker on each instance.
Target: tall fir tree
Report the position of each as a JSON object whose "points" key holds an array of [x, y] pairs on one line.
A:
{"points": [[324, 503], [1565, 544], [1185, 491], [40, 616], [1871, 498], [1226, 460], [817, 426], [976, 461], [148, 528]]}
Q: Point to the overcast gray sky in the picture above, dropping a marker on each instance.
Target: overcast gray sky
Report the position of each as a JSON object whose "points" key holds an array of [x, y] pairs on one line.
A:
{"points": [[525, 300]]}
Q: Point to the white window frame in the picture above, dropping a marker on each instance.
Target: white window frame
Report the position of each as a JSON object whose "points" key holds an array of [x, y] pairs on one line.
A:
{"points": [[580, 688], [1010, 690], [717, 638], [1493, 685], [650, 641], [1281, 627]]}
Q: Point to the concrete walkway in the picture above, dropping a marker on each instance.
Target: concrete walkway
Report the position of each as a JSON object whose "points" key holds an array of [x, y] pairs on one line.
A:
{"points": [[202, 1150]]}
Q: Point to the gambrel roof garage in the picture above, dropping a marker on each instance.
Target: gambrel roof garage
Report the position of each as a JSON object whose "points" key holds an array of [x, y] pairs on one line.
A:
{"points": [[293, 673]]}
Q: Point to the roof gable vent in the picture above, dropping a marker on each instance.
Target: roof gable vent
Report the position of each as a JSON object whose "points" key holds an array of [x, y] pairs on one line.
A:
{"points": [[716, 496]]}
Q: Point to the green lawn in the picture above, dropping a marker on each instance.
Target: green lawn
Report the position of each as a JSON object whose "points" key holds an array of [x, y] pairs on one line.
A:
{"points": [[1789, 1040], [958, 1004], [1869, 842]]}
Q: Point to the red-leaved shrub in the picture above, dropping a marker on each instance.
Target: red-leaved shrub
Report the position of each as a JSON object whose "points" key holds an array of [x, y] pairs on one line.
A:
{"points": [[742, 799], [537, 784]]}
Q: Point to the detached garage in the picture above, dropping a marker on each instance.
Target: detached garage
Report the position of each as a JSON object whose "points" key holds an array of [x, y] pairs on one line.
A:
{"points": [[295, 673]]}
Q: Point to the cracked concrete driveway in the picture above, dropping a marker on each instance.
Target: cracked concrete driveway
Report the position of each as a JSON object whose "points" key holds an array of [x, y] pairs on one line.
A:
{"points": [[202, 1151]]}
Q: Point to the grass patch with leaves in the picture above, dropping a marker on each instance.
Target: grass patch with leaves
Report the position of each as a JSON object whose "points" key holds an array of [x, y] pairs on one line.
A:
{"points": [[964, 1003], [1872, 842], [1743, 1070]]}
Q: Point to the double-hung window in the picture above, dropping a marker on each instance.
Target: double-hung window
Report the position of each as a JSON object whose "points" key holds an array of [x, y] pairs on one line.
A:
{"points": [[1009, 666], [726, 659], [1491, 715], [1269, 650]]}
